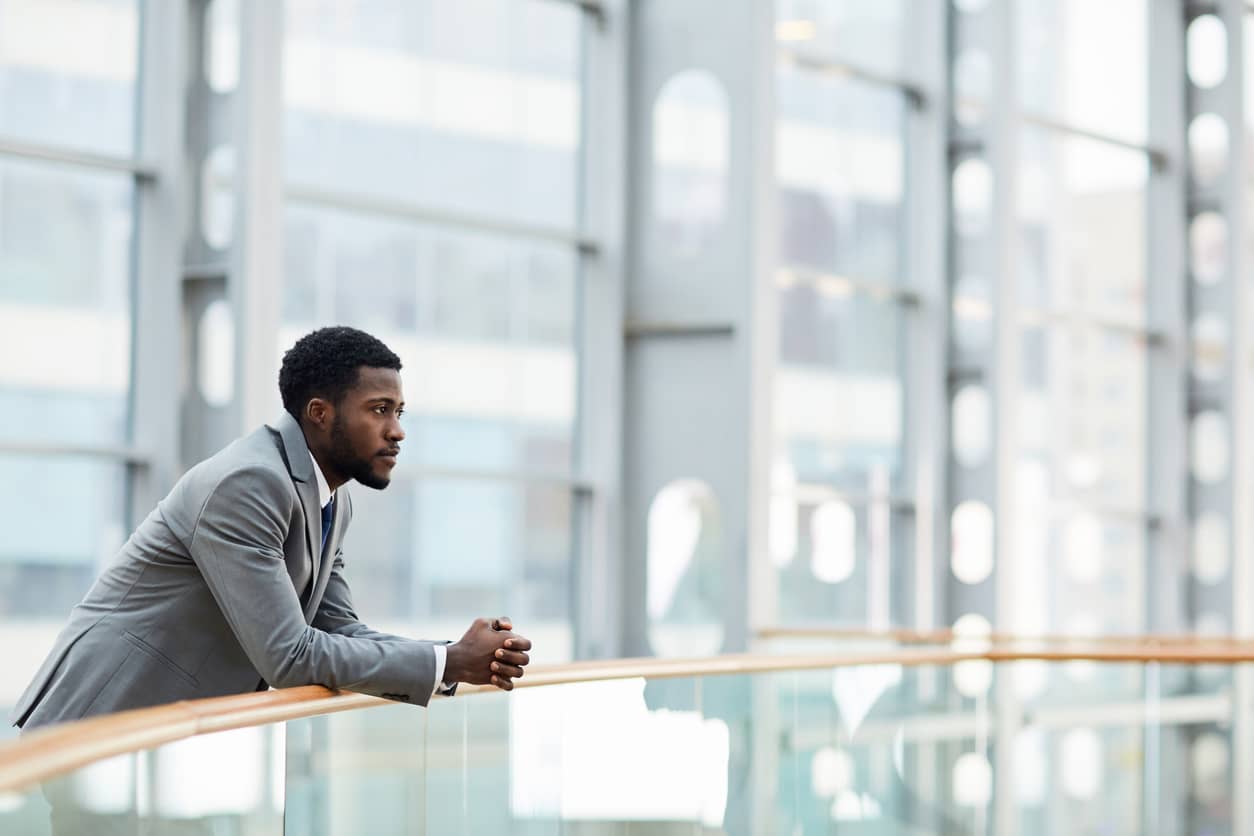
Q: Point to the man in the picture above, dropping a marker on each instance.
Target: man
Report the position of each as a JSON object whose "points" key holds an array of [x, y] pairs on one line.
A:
{"points": [[235, 581]]}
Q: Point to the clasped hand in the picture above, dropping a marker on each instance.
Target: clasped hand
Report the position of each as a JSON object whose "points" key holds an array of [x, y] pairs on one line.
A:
{"points": [[490, 653]]}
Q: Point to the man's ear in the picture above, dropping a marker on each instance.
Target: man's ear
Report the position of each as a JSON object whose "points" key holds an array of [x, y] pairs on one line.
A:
{"points": [[319, 413]]}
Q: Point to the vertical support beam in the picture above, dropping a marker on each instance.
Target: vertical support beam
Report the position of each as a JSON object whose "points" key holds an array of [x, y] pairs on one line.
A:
{"points": [[1167, 436], [160, 227], [256, 278], [983, 262], [603, 215], [1166, 283], [699, 358], [927, 373], [927, 331], [1233, 497]]}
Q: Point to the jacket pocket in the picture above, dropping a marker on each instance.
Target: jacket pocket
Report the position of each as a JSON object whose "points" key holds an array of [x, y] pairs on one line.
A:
{"points": [[160, 658]]}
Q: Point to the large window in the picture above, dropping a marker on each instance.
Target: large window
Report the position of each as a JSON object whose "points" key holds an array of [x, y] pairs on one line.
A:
{"points": [[68, 185], [432, 155], [840, 513]]}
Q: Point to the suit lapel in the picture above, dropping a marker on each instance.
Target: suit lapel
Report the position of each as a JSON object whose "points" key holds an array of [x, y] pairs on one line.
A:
{"points": [[301, 466]]}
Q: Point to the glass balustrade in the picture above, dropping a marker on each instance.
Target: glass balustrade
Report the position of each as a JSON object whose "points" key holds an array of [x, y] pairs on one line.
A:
{"points": [[1023, 747]]}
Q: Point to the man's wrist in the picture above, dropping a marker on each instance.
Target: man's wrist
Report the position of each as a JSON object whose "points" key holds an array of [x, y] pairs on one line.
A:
{"points": [[454, 664]]}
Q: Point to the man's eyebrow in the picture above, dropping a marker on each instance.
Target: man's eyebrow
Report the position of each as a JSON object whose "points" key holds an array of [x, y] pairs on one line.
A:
{"points": [[384, 399]]}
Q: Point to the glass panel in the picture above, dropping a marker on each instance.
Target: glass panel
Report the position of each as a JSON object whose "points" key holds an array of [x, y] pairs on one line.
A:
{"points": [[1082, 219], [1070, 67], [484, 325], [42, 575], [838, 350], [840, 169], [67, 73], [230, 782], [1082, 412], [360, 772], [65, 244], [465, 107], [427, 556], [866, 33]]}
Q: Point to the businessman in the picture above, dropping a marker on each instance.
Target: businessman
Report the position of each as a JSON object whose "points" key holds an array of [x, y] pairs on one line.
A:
{"points": [[235, 582]]}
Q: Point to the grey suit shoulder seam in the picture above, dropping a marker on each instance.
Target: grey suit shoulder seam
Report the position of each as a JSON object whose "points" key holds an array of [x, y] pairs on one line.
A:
{"points": [[212, 492]]}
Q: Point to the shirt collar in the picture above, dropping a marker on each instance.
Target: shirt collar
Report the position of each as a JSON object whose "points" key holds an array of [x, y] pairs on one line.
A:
{"points": [[324, 490]]}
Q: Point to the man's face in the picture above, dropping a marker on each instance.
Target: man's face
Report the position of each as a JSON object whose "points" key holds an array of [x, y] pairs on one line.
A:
{"points": [[366, 433]]}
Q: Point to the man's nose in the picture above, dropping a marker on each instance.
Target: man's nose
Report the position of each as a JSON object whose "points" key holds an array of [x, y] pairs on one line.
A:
{"points": [[395, 431]]}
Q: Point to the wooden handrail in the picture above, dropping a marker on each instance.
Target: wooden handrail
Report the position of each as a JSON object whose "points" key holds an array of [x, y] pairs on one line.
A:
{"points": [[56, 750], [908, 635]]}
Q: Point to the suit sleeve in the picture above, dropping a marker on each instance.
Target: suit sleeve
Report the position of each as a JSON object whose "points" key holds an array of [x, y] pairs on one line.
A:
{"points": [[237, 544]]}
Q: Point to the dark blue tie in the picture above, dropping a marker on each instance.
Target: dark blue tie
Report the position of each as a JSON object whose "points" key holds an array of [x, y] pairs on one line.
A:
{"points": [[326, 519]]}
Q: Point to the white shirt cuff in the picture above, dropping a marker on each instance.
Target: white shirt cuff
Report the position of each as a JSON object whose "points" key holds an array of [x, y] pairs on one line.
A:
{"points": [[441, 656]]}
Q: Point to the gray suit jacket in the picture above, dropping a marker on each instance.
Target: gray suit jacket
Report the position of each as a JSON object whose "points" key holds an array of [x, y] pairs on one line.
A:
{"points": [[221, 590]]}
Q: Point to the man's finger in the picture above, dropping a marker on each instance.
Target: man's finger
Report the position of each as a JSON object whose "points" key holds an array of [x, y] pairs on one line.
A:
{"points": [[518, 643], [513, 657], [502, 669], [503, 623], [503, 683]]}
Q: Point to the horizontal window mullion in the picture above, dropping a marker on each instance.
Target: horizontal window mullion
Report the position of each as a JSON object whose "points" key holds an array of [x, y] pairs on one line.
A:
{"points": [[367, 204], [128, 455], [142, 171]]}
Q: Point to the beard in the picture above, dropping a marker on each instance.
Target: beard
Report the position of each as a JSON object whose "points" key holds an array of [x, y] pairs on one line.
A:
{"points": [[347, 462]]}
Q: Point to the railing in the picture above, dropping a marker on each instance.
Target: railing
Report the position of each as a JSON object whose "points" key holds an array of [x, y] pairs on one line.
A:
{"points": [[904, 734]]}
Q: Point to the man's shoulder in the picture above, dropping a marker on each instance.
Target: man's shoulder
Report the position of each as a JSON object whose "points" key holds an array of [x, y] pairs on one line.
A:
{"points": [[251, 465], [251, 461]]}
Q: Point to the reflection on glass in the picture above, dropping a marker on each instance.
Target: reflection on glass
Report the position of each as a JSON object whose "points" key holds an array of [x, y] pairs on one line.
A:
{"points": [[222, 55], [65, 240], [1070, 68], [1082, 225], [686, 561], [70, 85], [1210, 547], [1208, 443], [972, 197], [972, 425], [1208, 247], [833, 533], [468, 107], [971, 535], [1210, 347], [1208, 146], [691, 150], [1207, 50], [840, 171]]}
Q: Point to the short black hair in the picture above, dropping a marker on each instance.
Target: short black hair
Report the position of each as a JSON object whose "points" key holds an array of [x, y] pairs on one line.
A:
{"points": [[324, 364]]}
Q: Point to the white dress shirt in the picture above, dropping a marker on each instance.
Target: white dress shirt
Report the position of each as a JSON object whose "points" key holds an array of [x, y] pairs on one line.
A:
{"points": [[325, 495]]}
